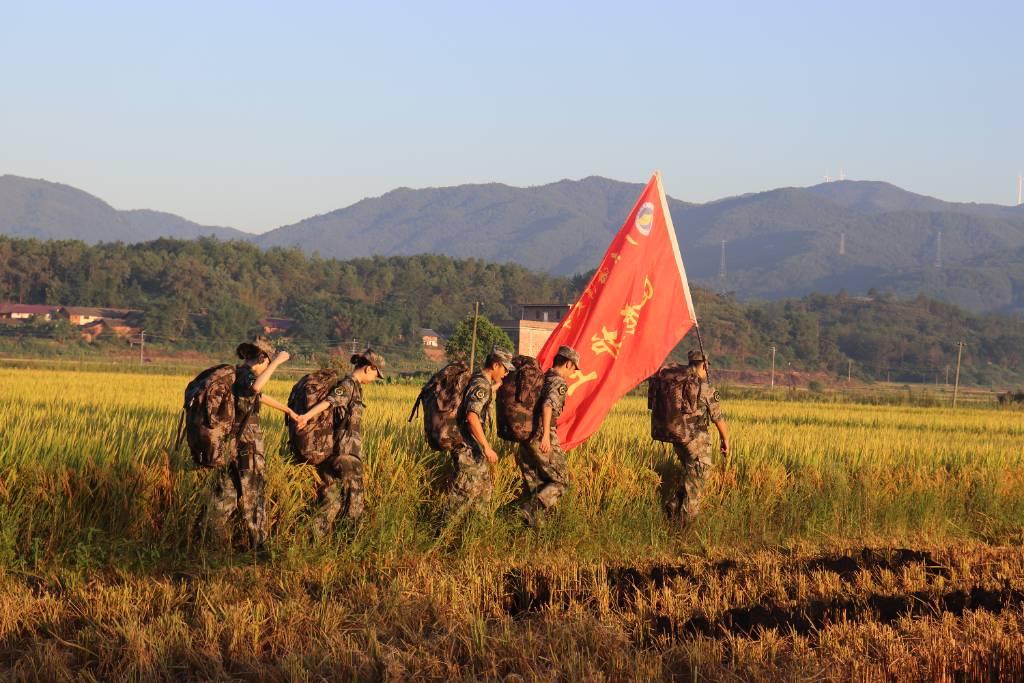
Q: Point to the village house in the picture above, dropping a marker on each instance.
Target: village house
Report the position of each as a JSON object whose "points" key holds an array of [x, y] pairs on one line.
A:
{"points": [[120, 328], [276, 327], [91, 330], [430, 338], [543, 312], [26, 312], [95, 321], [83, 315], [535, 324]]}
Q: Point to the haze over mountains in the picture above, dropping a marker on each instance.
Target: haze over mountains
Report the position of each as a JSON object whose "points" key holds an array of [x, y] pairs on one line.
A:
{"points": [[783, 242], [51, 211]]}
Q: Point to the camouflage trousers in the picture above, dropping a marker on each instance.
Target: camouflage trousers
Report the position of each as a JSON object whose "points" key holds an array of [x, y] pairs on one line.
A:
{"points": [[240, 486], [545, 475], [472, 483], [340, 491], [695, 458]]}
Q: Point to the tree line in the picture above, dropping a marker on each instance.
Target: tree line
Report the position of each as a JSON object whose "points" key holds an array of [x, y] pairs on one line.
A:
{"points": [[193, 292]]}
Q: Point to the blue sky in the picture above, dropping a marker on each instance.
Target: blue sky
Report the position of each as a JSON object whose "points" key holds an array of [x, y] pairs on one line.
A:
{"points": [[258, 114]]}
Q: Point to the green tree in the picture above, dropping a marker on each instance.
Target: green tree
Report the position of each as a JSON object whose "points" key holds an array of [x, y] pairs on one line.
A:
{"points": [[487, 337], [228, 319]]}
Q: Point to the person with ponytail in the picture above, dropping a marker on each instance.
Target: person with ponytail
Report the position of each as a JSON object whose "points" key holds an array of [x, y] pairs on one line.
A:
{"points": [[340, 491]]}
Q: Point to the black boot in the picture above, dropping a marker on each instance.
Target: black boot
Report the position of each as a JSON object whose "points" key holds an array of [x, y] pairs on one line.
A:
{"points": [[530, 514]]}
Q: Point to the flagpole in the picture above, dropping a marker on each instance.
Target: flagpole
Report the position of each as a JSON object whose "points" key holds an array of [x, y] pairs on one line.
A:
{"points": [[700, 345], [679, 264]]}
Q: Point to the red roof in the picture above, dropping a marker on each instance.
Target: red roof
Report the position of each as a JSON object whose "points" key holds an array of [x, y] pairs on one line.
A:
{"points": [[279, 323], [27, 309]]}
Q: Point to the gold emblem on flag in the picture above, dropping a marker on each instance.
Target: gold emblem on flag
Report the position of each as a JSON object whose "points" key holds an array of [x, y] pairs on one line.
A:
{"points": [[645, 219]]}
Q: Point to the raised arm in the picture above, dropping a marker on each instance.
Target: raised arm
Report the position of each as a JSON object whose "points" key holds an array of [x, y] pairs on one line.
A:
{"points": [[265, 376]]}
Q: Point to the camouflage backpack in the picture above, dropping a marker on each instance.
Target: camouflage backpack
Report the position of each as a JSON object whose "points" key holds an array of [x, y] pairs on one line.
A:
{"points": [[440, 398], [673, 397], [209, 417], [517, 399], [315, 443]]}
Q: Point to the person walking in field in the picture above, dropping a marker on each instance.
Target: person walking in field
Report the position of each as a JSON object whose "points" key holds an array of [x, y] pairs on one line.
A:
{"points": [[541, 460], [472, 483], [240, 484], [684, 406], [341, 475]]}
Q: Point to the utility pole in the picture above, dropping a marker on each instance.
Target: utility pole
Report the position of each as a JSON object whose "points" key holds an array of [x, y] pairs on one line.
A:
{"points": [[142, 347], [849, 370], [354, 342], [773, 367], [472, 352], [947, 374], [956, 382]]}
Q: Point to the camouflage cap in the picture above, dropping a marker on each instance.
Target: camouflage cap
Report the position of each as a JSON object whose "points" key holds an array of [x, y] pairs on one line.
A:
{"points": [[569, 353], [695, 356], [504, 356], [375, 360], [258, 345]]}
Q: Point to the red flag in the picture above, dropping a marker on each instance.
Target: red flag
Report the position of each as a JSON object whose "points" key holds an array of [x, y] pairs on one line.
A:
{"points": [[629, 318]]}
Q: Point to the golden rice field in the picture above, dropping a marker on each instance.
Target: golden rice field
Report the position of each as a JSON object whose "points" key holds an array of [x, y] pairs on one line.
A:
{"points": [[842, 541]]}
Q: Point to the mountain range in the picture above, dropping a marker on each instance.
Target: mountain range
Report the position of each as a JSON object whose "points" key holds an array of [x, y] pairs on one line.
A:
{"points": [[52, 211], [853, 235]]}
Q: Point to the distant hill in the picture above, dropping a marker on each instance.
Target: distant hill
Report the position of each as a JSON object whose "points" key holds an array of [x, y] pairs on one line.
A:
{"points": [[561, 228], [779, 243], [786, 242], [45, 210]]}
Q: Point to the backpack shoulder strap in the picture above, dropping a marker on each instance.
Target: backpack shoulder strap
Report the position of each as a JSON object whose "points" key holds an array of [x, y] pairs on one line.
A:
{"points": [[180, 430], [416, 406]]}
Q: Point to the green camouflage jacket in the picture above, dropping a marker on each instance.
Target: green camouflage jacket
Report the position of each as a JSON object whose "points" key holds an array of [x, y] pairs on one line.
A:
{"points": [[346, 399], [708, 410], [247, 405], [476, 399], [553, 394]]}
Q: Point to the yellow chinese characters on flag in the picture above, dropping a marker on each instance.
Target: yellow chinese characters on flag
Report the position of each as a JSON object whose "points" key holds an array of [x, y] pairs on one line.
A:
{"points": [[631, 315]]}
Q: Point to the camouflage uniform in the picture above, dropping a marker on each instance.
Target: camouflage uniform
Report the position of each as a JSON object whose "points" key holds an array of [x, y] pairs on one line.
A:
{"points": [[545, 475], [341, 475], [241, 484], [695, 455], [471, 475]]}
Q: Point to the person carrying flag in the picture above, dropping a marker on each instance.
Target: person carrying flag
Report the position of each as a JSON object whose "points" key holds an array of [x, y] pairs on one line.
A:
{"points": [[541, 459], [694, 452], [632, 313]]}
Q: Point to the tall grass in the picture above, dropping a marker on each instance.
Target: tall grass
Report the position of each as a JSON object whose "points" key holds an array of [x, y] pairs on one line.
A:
{"points": [[102, 578], [88, 476]]}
